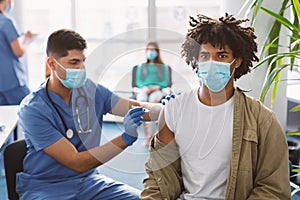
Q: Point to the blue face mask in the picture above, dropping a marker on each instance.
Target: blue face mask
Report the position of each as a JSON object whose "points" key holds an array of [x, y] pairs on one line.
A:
{"points": [[151, 54], [75, 78], [9, 8], [214, 75]]}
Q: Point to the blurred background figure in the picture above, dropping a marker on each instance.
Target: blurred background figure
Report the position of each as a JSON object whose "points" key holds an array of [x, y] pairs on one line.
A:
{"points": [[152, 79], [152, 76], [13, 77]]}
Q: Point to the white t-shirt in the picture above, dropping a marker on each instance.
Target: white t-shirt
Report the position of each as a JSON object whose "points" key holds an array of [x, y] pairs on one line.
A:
{"points": [[204, 138]]}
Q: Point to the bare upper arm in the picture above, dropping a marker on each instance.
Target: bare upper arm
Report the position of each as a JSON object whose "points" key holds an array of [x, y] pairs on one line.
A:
{"points": [[165, 135], [123, 105], [62, 150]]}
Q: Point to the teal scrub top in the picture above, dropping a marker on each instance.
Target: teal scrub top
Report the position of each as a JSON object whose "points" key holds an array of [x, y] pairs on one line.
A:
{"points": [[152, 77]]}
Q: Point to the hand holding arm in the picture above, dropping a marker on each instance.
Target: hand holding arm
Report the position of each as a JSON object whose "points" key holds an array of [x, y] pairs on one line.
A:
{"points": [[123, 105], [64, 151], [132, 120]]}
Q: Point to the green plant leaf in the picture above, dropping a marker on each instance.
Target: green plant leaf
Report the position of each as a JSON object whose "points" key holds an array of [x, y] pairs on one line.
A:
{"points": [[295, 109], [248, 5], [276, 83], [270, 53], [256, 7], [266, 59], [296, 170], [274, 33], [284, 21], [293, 133], [296, 4], [269, 80], [251, 5], [295, 44]]}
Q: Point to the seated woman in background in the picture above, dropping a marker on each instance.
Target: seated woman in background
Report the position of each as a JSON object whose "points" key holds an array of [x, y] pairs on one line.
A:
{"points": [[152, 76]]}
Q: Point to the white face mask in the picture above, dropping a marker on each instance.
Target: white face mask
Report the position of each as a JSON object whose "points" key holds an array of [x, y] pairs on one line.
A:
{"points": [[214, 75], [75, 78]]}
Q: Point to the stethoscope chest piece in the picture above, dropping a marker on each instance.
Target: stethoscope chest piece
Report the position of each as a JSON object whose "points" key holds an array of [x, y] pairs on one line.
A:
{"points": [[69, 133]]}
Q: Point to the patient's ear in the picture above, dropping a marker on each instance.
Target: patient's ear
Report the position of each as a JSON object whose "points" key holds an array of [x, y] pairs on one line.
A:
{"points": [[237, 63]]}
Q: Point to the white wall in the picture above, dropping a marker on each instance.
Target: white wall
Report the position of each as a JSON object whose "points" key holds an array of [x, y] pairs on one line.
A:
{"points": [[255, 80]]}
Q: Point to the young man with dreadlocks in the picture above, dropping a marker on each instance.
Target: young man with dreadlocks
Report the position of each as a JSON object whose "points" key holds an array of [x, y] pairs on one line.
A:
{"points": [[215, 142]]}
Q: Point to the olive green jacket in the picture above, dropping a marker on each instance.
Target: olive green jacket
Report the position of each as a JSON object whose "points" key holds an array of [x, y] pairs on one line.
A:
{"points": [[258, 165]]}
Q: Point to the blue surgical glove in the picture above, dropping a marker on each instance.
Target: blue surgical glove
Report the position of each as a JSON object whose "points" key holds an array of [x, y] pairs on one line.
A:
{"points": [[131, 122], [167, 99]]}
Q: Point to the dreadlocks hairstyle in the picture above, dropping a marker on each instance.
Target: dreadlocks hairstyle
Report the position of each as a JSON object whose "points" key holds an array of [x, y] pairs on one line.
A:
{"points": [[220, 32]]}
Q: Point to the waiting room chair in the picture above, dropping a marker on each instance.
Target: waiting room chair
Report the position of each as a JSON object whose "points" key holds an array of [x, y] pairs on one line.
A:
{"points": [[14, 154], [166, 90]]}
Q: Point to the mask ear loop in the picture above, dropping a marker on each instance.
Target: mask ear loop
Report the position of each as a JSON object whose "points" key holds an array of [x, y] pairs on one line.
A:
{"points": [[232, 73], [233, 61], [59, 64], [61, 67]]}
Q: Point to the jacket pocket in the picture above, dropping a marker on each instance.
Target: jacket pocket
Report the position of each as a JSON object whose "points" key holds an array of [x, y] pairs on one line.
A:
{"points": [[248, 154], [250, 136], [247, 164]]}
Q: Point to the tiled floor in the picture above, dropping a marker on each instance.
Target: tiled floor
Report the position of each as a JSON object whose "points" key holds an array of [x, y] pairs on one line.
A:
{"points": [[128, 167]]}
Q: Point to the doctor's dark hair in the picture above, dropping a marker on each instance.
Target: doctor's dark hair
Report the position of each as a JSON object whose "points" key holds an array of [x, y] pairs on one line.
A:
{"points": [[220, 32], [61, 41]]}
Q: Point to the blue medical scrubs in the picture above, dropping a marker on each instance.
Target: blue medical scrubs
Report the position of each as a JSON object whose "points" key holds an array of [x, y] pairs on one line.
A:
{"points": [[13, 78], [45, 178]]}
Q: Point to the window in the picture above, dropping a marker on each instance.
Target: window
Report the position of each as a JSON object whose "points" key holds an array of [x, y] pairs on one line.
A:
{"points": [[116, 34]]}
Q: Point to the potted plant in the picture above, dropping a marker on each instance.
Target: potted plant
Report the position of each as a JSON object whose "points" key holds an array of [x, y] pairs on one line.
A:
{"points": [[287, 57]]}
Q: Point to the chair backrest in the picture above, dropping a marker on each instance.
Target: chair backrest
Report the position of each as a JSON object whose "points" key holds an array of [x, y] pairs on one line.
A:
{"points": [[14, 154], [133, 76], [134, 69]]}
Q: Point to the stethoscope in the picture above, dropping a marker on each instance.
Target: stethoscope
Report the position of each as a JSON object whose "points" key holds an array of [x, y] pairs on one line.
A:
{"points": [[69, 131]]}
